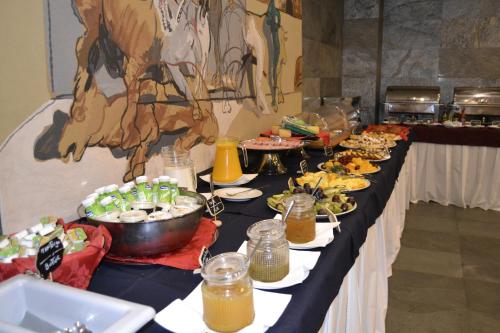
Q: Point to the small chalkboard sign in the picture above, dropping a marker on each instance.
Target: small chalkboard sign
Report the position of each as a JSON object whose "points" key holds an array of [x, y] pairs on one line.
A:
{"points": [[49, 257], [328, 151], [215, 205], [304, 167], [204, 256]]}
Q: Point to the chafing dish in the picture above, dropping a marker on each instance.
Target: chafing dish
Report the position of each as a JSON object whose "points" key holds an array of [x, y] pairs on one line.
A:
{"points": [[153, 237], [416, 102], [476, 102]]}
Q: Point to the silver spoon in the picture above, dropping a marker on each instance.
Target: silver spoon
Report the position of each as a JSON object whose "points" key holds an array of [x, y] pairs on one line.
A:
{"points": [[333, 219]]}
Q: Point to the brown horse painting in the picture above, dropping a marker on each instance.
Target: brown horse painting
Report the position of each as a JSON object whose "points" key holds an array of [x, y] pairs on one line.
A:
{"points": [[132, 42]]}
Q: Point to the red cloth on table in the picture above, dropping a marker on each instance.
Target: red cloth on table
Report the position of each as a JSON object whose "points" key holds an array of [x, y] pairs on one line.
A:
{"points": [[183, 258], [77, 268]]}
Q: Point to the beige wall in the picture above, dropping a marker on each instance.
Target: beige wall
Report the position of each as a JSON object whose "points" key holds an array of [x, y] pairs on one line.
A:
{"points": [[24, 84]]}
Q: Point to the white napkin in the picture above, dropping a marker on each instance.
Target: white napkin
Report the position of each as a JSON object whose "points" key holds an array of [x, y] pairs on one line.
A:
{"points": [[187, 316], [301, 262], [324, 236]]}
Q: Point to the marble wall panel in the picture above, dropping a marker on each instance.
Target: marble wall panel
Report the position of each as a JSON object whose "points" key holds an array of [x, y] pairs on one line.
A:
{"points": [[411, 34], [330, 61], [470, 63], [311, 50], [322, 26], [332, 22], [364, 87], [331, 86], [404, 10], [470, 33], [311, 25], [470, 8], [357, 9], [311, 87], [359, 62], [362, 33], [410, 63]]}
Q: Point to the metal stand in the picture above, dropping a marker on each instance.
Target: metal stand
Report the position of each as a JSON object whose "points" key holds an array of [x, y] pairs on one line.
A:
{"points": [[271, 165]]}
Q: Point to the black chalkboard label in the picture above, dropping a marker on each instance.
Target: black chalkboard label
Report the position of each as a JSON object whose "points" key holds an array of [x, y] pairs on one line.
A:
{"points": [[215, 205], [328, 151], [49, 257], [204, 256], [304, 167]]}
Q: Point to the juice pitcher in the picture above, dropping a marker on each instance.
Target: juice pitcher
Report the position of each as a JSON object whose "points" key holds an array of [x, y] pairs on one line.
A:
{"points": [[227, 166]]}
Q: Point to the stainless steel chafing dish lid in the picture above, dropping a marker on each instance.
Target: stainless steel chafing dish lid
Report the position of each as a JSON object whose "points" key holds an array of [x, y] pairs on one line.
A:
{"points": [[478, 100], [412, 95]]}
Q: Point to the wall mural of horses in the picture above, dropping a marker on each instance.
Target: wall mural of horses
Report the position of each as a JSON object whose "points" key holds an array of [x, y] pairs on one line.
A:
{"points": [[149, 68]]}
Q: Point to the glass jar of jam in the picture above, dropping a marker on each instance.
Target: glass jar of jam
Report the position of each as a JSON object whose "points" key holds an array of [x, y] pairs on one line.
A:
{"points": [[227, 293], [301, 223], [270, 261]]}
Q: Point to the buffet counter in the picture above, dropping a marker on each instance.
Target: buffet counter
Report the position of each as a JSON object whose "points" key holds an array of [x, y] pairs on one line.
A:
{"points": [[354, 266], [463, 136]]}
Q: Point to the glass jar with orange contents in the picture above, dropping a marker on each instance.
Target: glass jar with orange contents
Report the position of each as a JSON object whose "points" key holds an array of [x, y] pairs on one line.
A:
{"points": [[227, 292], [301, 223]]}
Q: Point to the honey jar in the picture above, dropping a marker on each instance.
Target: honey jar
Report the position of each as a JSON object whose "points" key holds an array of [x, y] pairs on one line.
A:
{"points": [[227, 292], [267, 242], [301, 223]]}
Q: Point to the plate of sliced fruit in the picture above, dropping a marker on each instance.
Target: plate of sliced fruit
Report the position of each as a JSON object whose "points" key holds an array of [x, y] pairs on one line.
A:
{"points": [[337, 202]]}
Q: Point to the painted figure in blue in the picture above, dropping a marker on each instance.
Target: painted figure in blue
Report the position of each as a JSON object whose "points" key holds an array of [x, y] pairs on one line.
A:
{"points": [[272, 24]]}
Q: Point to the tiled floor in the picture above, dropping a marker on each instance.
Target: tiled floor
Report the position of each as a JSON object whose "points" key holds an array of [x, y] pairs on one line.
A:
{"points": [[447, 274]]}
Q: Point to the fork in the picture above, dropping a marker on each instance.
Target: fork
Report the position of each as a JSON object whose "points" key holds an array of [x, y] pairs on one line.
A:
{"points": [[247, 190]]}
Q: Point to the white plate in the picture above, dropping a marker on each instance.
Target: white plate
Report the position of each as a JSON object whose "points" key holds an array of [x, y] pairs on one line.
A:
{"points": [[320, 166], [318, 216], [300, 263], [385, 158], [244, 179], [251, 194]]}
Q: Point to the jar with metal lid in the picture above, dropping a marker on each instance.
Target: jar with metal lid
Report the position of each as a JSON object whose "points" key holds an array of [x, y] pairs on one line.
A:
{"points": [[301, 223], [270, 261], [227, 292]]}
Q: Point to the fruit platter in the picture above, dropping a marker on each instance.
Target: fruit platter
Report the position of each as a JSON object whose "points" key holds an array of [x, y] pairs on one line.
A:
{"points": [[349, 165], [332, 199], [367, 142], [369, 155], [333, 181]]}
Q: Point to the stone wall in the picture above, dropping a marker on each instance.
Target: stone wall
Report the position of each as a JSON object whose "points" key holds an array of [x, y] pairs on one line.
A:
{"points": [[360, 51], [448, 43], [322, 22]]}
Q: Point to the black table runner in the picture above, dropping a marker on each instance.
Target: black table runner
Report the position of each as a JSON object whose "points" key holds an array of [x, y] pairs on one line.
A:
{"points": [[158, 286]]}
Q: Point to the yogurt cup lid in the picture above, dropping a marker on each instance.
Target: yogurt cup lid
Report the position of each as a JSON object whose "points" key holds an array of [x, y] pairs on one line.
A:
{"points": [[92, 195], [100, 190], [164, 179], [159, 215], [141, 179], [124, 189], [129, 184], [111, 188], [88, 202], [109, 217], [132, 216], [156, 180], [106, 201]]}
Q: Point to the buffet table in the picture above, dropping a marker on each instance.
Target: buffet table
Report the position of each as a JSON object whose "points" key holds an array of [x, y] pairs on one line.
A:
{"points": [[354, 266], [455, 166]]}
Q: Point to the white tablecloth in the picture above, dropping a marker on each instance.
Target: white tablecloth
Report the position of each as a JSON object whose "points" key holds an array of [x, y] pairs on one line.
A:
{"points": [[361, 304], [465, 176]]}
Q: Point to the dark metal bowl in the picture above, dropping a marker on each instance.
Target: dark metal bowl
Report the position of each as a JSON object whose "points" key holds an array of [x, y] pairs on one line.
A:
{"points": [[149, 238]]}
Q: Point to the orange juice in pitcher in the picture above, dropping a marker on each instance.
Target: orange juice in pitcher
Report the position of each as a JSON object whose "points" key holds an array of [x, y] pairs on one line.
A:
{"points": [[227, 166]]}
